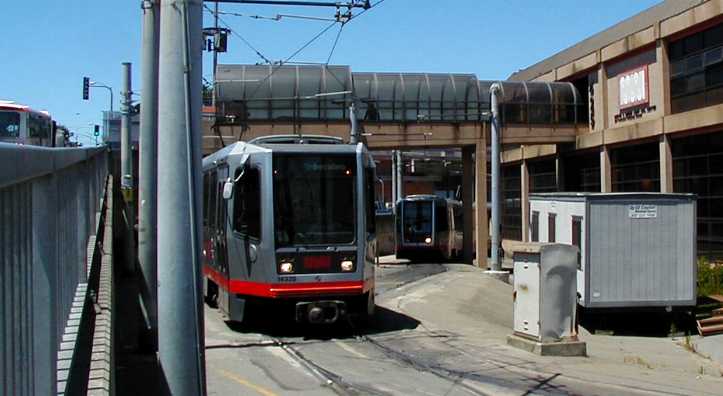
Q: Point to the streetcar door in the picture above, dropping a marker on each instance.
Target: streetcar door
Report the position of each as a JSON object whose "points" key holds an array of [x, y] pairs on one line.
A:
{"points": [[222, 222]]}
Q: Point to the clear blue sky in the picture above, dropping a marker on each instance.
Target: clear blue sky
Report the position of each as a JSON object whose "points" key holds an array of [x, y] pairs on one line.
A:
{"points": [[49, 45]]}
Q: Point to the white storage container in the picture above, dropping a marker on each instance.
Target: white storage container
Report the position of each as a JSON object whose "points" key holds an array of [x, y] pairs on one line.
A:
{"points": [[636, 249]]}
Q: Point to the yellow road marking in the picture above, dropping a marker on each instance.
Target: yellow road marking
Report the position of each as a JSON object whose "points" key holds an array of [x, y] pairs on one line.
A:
{"points": [[259, 389], [351, 350]]}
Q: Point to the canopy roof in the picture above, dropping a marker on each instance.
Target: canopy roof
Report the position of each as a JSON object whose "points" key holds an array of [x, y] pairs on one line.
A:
{"points": [[323, 93]]}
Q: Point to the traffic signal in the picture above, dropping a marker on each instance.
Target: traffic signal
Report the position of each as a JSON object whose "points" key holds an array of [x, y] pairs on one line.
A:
{"points": [[86, 88], [96, 130], [220, 40]]}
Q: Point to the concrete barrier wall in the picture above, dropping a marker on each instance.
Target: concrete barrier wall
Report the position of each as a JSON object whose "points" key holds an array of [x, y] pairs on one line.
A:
{"points": [[49, 200]]}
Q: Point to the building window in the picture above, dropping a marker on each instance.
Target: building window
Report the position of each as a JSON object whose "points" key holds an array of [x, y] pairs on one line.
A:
{"points": [[551, 224], [696, 70], [636, 168], [535, 226], [698, 169], [543, 176], [577, 238], [511, 203]]}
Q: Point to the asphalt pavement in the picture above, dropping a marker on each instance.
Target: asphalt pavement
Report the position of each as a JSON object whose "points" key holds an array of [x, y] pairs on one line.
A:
{"points": [[439, 330]]}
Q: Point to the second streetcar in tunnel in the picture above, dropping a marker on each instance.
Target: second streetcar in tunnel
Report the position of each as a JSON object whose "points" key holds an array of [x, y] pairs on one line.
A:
{"points": [[290, 224], [428, 227]]}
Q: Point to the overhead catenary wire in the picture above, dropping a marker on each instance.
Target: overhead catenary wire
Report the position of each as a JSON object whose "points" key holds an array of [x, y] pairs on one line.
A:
{"points": [[237, 34]]}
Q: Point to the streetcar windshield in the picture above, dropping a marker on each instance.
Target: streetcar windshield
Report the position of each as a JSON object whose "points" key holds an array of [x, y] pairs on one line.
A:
{"points": [[9, 124], [417, 220], [314, 199]]}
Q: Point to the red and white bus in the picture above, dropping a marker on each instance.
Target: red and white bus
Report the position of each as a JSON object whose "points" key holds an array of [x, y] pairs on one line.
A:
{"points": [[22, 125]]}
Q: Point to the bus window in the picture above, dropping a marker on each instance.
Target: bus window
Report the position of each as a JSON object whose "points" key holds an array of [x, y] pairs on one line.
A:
{"points": [[212, 201], [441, 218], [247, 204], [206, 194], [9, 124], [370, 207]]}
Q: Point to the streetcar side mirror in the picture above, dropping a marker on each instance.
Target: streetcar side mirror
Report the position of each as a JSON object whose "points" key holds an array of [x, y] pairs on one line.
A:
{"points": [[228, 190]]}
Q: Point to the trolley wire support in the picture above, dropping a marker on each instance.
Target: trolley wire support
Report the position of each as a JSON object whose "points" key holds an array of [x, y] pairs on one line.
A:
{"points": [[352, 4]]}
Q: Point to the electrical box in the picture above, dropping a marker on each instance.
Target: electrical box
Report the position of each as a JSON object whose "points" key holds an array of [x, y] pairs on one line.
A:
{"points": [[545, 291]]}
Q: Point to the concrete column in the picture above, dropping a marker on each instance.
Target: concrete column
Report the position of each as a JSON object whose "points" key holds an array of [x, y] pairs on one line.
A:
{"points": [[606, 177], [663, 63], [181, 350], [481, 222], [525, 198], [468, 186], [602, 77], [666, 164]]}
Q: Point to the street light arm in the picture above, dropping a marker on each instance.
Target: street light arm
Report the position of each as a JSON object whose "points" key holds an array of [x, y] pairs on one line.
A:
{"points": [[94, 84]]}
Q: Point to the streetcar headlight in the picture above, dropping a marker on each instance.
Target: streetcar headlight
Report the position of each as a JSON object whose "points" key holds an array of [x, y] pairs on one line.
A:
{"points": [[427, 240], [347, 265], [286, 268]]}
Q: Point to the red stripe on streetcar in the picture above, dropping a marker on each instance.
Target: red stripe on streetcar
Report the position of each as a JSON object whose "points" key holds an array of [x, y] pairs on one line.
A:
{"points": [[274, 290]]}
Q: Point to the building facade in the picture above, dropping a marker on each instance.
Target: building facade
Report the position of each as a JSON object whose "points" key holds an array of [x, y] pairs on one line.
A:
{"points": [[653, 85]]}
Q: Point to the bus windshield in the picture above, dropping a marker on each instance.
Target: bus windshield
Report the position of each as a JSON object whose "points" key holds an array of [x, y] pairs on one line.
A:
{"points": [[314, 199], [417, 220], [9, 124]]}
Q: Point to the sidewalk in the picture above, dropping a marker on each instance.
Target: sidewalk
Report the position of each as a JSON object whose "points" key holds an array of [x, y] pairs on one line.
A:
{"points": [[478, 310]]}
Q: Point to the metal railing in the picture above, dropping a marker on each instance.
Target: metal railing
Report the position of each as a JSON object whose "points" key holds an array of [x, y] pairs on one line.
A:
{"points": [[49, 204]]}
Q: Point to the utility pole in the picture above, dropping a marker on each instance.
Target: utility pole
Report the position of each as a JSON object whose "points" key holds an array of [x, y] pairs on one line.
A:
{"points": [[180, 313], [147, 169], [127, 166]]}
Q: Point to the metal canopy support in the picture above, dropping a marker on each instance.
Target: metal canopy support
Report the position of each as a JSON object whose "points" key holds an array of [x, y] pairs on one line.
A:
{"points": [[496, 264], [180, 313], [394, 178], [147, 216], [468, 186], [400, 171]]}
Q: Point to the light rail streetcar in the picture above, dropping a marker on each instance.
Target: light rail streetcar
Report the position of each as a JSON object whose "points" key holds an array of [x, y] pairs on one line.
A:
{"points": [[290, 222], [428, 225]]}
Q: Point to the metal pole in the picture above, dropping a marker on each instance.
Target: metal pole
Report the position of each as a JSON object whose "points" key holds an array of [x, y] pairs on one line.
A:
{"points": [[394, 177], [126, 156], [496, 265], [215, 59], [354, 139], [180, 315], [400, 182], [147, 168], [127, 168]]}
